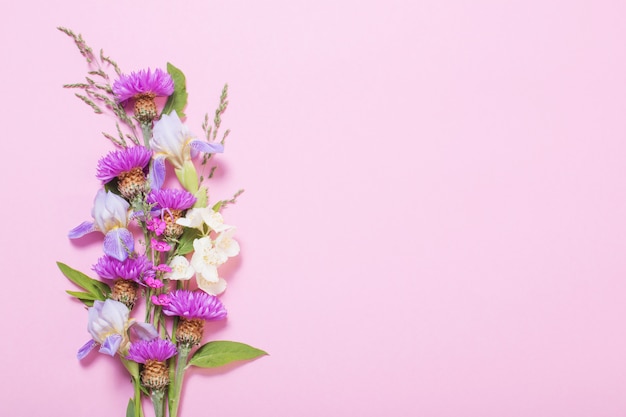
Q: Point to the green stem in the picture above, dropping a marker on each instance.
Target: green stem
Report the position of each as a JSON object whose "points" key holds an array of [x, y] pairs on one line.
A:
{"points": [[149, 306], [146, 129], [157, 320], [157, 401], [177, 384], [133, 370], [137, 400]]}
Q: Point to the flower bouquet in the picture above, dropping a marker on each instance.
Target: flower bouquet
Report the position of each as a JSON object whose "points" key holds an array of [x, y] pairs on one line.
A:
{"points": [[163, 244]]}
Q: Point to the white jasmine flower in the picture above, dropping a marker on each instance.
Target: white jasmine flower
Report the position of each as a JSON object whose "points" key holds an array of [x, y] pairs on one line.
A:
{"points": [[193, 219], [197, 217], [213, 288], [215, 221], [181, 269], [225, 244], [206, 258]]}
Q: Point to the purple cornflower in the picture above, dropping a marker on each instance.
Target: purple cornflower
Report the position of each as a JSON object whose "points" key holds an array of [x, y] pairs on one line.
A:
{"points": [[171, 203], [143, 87], [153, 354], [159, 246], [151, 350], [172, 199], [160, 300], [143, 82], [122, 161], [195, 305], [131, 269]]}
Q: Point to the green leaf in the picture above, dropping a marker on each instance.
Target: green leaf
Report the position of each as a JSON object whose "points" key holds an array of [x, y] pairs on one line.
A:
{"points": [[222, 352], [185, 242], [98, 289], [112, 186], [202, 197], [132, 368], [84, 297], [188, 176], [178, 100], [217, 206], [130, 408]]}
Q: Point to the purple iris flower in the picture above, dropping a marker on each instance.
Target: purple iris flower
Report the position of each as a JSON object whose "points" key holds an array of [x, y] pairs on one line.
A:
{"points": [[112, 329], [172, 140], [110, 214]]}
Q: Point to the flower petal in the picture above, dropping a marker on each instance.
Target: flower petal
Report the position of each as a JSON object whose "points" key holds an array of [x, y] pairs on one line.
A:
{"points": [[193, 218], [142, 331], [206, 147], [109, 211], [226, 245], [116, 315], [214, 220], [82, 229], [209, 287], [180, 269], [118, 243], [111, 344], [85, 349], [157, 173]]}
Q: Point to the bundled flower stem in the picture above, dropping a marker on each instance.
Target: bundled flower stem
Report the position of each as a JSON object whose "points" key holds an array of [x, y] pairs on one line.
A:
{"points": [[174, 268]]}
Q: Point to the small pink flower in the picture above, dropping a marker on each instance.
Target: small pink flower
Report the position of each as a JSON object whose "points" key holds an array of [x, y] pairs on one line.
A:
{"points": [[156, 225], [159, 245], [163, 268], [153, 282], [160, 300]]}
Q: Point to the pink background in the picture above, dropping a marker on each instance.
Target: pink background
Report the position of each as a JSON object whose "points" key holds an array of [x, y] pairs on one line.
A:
{"points": [[434, 221]]}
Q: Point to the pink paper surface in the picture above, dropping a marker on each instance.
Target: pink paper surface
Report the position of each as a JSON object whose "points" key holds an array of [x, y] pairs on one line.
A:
{"points": [[434, 221]]}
